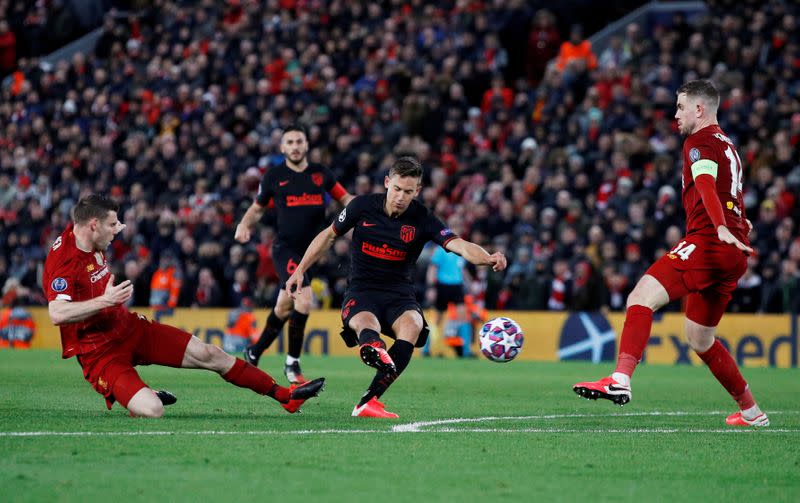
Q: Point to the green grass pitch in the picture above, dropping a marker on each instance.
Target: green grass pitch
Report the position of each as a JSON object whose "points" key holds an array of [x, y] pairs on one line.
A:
{"points": [[469, 430]]}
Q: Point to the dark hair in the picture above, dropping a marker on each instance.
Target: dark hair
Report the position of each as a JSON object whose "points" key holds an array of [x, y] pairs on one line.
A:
{"points": [[406, 166], [296, 127], [704, 89], [93, 206]]}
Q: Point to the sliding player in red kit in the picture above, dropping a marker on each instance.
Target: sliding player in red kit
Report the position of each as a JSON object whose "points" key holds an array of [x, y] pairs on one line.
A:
{"points": [[705, 265], [109, 341]]}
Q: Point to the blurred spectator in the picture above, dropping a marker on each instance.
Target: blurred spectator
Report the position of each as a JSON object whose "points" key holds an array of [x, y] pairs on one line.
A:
{"points": [[165, 284], [17, 327], [576, 53], [241, 287], [561, 288], [543, 45], [134, 273], [8, 49], [242, 328], [747, 296], [208, 293]]}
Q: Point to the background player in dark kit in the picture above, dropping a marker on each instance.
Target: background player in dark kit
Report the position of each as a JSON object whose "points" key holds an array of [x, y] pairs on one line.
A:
{"points": [[389, 232], [297, 189]]}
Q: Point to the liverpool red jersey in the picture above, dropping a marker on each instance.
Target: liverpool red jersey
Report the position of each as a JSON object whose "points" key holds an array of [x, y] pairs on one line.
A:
{"points": [[74, 275], [710, 151]]}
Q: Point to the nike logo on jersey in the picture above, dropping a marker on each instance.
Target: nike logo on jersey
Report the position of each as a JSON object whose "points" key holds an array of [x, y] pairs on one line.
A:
{"points": [[367, 224], [283, 183]]}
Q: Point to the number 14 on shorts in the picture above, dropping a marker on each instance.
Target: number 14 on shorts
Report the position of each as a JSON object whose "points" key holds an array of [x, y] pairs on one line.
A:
{"points": [[682, 250]]}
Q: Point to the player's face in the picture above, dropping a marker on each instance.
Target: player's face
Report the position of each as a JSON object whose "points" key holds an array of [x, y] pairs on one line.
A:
{"points": [[400, 191], [294, 146], [104, 230], [686, 114]]}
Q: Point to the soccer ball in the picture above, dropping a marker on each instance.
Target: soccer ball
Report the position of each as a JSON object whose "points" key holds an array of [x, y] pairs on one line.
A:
{"points": [[501, 339]]}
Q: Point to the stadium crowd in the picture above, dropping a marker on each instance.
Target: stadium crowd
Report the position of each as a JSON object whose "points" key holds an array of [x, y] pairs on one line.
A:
{"points": [[571, 168]]}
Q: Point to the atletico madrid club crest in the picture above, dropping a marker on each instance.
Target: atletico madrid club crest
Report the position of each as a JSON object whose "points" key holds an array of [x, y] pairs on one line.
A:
{"points": [[317, 179], [407, 233]]}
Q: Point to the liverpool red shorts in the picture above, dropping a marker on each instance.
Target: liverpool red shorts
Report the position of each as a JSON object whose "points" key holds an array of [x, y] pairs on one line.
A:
{"points": [[111, 371], [705, 270]]}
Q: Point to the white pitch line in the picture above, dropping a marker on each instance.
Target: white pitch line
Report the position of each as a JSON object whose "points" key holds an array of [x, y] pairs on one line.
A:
{"points": [[416, 427], [19, 434], [171, 433], [601, 430]]}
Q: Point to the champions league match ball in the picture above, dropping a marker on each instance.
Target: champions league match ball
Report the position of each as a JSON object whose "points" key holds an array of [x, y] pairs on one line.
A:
{"points": [[501, 339]]}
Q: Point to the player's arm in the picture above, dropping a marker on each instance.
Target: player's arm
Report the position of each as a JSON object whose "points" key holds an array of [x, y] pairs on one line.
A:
{"points": [[340, 194], [475, 254], [704, 172], [336, 190], [63, 311], [263, 200], [251, 217], [319, 246]]}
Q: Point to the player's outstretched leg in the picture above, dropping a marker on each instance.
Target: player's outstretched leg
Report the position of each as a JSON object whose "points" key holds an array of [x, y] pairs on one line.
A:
{"points": [[369, 406], [301, 393], [724, 368], [647, 296], [373, 352], [296, 332], [274, 326], [617, 387], [702, 339], [242, 374]]}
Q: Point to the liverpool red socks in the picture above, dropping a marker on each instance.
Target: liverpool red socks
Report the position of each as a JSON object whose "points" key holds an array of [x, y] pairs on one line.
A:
{"points": [[635, 334], [724, 368], [244, 375]]}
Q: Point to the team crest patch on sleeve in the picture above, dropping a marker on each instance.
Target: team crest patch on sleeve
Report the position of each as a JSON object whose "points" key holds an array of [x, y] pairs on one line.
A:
{"points": [[694, 155], [343, 215], [59, 285]]}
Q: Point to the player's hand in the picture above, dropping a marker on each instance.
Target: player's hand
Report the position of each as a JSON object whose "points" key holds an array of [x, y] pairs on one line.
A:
{"points": [[725, 236], [749, 226], [242, 234], [118, 294], [294, 285], [498, 261]]}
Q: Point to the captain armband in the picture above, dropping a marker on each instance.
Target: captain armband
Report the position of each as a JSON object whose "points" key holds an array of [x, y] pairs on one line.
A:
{"points": [[704, 167]]}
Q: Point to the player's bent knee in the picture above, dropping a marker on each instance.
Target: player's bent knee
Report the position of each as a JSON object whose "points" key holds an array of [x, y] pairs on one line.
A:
{"points": [[145, 403], [700, 338], [700, 344], [364, 320], [410, 332], [302, 305], [152, 412], [649, 293]]}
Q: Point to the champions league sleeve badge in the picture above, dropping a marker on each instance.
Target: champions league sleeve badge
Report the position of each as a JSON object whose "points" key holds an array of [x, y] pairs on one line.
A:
{"points": [[59, 285], [694, 155]]}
